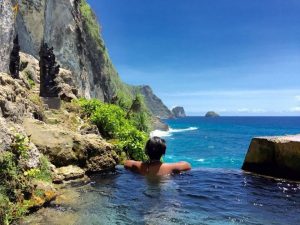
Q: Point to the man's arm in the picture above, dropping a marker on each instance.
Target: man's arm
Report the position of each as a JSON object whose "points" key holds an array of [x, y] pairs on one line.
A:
{"points": [[181, 166], [132, 165]]}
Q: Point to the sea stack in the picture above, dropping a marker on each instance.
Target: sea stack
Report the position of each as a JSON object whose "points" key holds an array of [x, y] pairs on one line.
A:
{"points": [[178, 112], [211, 114]]}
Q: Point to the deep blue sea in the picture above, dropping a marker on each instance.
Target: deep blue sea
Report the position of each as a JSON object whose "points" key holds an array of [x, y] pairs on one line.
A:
{"points": [[214, 192]]}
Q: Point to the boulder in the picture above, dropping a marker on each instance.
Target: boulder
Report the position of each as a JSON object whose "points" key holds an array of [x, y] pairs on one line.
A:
{"points": [[67, 173], [14, 98], [44, 192], [8, 131], [65, 147], [277, 156]]}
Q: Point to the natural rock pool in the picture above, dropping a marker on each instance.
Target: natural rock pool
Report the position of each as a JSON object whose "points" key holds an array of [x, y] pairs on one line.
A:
{"points": [[201, 196]]}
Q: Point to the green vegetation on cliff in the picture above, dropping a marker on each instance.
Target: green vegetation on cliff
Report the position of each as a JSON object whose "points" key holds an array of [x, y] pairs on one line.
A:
{"points": [[115, 90], [127, 129], [110, 78]]}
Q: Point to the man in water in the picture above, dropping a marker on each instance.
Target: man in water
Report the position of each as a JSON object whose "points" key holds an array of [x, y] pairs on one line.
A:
{"points": [[155, 149]]}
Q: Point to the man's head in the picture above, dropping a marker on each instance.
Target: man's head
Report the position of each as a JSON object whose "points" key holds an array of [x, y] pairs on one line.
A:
{"points": [[155, 148]]}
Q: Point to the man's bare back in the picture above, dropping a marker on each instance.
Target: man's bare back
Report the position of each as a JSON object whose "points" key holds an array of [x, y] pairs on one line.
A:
{"points": [[156, 168]]}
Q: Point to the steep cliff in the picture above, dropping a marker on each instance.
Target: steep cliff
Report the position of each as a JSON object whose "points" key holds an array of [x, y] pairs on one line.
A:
{"points": [[71, 28], [7, 33], [155, 104]]}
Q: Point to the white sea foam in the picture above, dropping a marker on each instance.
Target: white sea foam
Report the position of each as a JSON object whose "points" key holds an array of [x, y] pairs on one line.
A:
{"points": [[169, 133], [200, 160]]}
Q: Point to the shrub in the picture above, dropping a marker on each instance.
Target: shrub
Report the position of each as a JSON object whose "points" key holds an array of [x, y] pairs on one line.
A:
{"points": [[113, 123], [15, 183], [43, 172], [20, 146], [29, 78]]}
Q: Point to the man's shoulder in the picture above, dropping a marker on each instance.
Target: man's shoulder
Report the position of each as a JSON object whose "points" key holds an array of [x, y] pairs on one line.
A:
{"points": [[132, 163]]}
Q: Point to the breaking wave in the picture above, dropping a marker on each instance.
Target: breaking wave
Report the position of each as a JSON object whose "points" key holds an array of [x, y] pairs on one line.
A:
{"points": [[161, 133]]}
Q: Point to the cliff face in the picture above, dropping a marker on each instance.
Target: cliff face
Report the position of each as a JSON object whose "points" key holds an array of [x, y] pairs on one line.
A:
{"points": [[70, 27], [7, 33], [155, 104]]}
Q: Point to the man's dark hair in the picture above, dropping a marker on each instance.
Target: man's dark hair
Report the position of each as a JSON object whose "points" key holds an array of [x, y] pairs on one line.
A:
{"points": [[155, 148]]}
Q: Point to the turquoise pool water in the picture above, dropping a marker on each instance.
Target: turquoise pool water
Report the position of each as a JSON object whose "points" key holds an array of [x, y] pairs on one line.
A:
{"points": [[215, 192]]}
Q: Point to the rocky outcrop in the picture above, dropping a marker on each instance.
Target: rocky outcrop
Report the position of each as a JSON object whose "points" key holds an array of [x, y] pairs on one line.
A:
{"points": [[65, 147], [274, 156], [158, 124], [6, 34], [14, 98], [178, 112], [30, 67], [44, 193], [155, 104], [67, 90], [211, 114]]}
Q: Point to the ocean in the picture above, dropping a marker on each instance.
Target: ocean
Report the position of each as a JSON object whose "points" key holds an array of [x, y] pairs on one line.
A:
{"points": [[215, 192], [220, 142]]}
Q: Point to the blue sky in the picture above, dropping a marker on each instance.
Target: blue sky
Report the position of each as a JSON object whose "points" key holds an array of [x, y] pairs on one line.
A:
{"points": [[237, 57]]}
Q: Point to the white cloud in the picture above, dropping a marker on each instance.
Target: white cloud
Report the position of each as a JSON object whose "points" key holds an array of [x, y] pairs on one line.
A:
{"points": [[295, 109], [247, 110], [259, 92], [297, 97], [243, 110]]}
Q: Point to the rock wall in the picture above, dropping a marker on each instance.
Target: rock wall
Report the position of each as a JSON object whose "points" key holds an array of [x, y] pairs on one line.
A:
{"points": [[155, 104], [6, 33], [71, 28], [274, 156]]}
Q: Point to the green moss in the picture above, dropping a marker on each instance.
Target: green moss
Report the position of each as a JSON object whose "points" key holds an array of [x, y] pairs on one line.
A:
{"points": [[39, 193], [29, 78]]}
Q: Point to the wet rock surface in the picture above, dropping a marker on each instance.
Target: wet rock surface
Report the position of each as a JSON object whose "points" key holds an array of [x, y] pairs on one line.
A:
{"points": [[274, 156]]}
